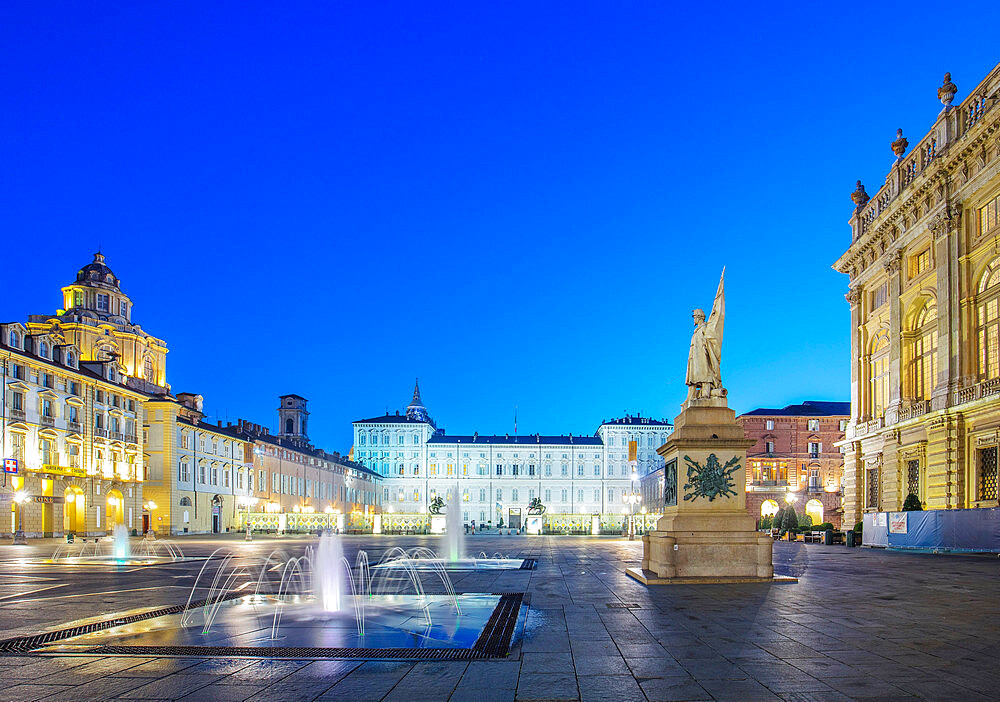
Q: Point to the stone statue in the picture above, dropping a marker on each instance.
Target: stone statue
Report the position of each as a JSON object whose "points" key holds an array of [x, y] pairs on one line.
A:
{"points": [[704, 377], [946, 93], [899, 146], [859, 197]]}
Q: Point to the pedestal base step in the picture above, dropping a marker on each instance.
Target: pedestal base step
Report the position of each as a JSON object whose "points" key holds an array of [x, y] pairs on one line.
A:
{"points": [[648, 577]]}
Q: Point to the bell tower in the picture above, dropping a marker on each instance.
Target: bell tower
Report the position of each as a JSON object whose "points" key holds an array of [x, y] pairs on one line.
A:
{"points": [[292, 416]]}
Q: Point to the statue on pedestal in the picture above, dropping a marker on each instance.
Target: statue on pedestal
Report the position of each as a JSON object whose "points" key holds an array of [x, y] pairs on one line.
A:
{"points": [[704, 375]]}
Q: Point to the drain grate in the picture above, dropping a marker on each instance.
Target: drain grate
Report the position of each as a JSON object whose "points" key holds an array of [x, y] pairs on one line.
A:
{"points": [[624, 605], [528, 564], [22, 644], [493, 642]]}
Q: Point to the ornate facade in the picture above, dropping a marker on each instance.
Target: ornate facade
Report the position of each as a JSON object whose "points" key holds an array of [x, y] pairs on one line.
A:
{"points": [[924, 268], [97, 320], [499, 475], [71, 438]]}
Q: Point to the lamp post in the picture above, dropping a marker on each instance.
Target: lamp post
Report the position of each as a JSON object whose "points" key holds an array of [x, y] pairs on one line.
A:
{"points": [[632, 499], [21, 498], [247, 502]]}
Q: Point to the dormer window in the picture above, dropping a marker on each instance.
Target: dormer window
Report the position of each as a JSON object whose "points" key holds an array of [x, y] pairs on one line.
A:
{"points": [[15, 339], [70, 359], [43, 350], [112, 375], [124, 308]]}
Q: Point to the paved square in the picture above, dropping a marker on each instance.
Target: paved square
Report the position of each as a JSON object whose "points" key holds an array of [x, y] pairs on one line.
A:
{"points": [[860, 624]]}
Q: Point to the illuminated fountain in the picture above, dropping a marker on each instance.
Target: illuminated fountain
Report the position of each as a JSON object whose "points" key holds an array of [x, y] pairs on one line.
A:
{"points": [[118, 550], [454, 537], [318, 604]]}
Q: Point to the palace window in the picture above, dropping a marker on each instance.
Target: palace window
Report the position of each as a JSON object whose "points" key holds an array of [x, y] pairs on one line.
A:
{"points": [[987, 483], [913, 477], [17, 401], [768, 447], [513, 495], [77, 298], [989, 215], [988, 313], [923, 353], [482, 495], [920, 262], [565, 471], [565, 496], [201, 474], [880, 296], [872, 485], [879, 370], [769, 424], [812, 425], [103, 302], [499, 469]]}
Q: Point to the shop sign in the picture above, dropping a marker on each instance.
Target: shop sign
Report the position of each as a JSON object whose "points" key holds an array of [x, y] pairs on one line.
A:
{"points": [[49, 499], [10, 465]]}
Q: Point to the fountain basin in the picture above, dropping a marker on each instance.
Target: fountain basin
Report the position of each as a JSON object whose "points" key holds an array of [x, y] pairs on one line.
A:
{"points": [[426, 564], [396, 626]]}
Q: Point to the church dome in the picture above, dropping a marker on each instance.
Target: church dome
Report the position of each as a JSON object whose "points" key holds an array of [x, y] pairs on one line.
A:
{"points": [[97, 273]]}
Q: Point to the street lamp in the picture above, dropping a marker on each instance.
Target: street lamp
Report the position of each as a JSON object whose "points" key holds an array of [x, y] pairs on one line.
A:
{"points": [[21, 498], [631, 499]]}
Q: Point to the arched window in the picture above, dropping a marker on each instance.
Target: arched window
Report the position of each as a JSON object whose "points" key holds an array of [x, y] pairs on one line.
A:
{"points": [[148, 372], [879, 373], [768, 508], [288, 426], [922, 374], [185, 502], [988, 322], [814, 509]]}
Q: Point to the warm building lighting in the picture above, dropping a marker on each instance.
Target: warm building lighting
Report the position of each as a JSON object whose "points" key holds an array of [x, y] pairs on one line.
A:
{"points": [[791, 497]]}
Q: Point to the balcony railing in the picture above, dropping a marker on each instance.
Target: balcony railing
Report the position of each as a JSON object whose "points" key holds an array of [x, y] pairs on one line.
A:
{"points": [[17, 414], [958, 121], [131, 439], [117, 436], [47, 421], [100, 432], [74, 426]]}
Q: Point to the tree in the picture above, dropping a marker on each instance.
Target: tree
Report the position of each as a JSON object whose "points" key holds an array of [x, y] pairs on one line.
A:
{"points": [[789, 520], [912, 504]]}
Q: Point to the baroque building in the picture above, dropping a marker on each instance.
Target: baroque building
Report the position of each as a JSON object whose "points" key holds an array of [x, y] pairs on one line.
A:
{"points": [[97, 319], [71, 434], [924, 293], [498, 476]]}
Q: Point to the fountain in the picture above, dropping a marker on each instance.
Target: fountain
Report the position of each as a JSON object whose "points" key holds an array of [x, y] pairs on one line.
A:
{"points": [[454, 536], [318, 604], [117, 551], [120, 550]]}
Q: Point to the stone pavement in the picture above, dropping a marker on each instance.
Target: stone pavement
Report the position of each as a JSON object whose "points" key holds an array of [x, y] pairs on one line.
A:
{"points": [[860, 624]]}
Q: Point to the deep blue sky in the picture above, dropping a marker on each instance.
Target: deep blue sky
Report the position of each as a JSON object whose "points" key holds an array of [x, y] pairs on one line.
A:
{"points": [[519, 202]]}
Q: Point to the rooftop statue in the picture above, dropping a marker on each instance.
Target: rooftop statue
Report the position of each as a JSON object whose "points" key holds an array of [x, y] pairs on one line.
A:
{"points": [[859, 197], [946, 93], [899, 146], [704, 376]]}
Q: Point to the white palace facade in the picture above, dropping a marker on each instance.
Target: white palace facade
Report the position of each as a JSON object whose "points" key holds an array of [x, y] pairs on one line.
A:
{"points": [[498, 476]]}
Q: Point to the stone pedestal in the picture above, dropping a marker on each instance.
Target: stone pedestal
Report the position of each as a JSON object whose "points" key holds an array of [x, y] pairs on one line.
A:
{"points": [[705, 533]]}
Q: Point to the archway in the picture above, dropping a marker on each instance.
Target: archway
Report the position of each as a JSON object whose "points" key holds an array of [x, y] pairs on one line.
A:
{"points": [[116, 509], [74, 510], [814, 508], [768, 508]]}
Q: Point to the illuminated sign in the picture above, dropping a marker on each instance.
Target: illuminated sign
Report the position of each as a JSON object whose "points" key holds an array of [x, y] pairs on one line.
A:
{"points": [[10, 465]]}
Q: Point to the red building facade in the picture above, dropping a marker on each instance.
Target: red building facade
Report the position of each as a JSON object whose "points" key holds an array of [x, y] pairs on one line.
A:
{"points": [[795, 459]]}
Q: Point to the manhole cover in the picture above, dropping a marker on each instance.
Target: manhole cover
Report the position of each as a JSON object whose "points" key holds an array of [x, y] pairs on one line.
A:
{"points": [[624, 605]]}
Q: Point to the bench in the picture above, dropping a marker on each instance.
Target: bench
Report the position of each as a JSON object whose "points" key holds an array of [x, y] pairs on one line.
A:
{"points": [[815, 537]]}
